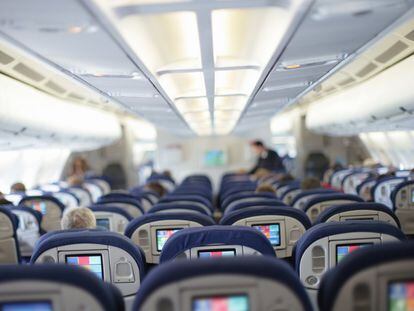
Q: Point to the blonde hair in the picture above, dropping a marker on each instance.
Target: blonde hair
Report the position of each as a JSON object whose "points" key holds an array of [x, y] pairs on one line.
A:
{"points": [[265, 188], [78, 218]]}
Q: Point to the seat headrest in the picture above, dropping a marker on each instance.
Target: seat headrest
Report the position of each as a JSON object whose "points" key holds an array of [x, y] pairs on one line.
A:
{"points": [[355, 262], [44, 197], [234, 216], [336, 209], [332, 228], [148, 218], [63, 274], [254, 266], [111, 209], [188, 238], [331, 197], [273, 202], [84, 236], [164, 207]]}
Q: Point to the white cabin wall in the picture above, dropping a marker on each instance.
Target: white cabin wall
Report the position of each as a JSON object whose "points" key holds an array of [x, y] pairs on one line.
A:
{"points": [[346, 150], [190, 159], [120, 152]]}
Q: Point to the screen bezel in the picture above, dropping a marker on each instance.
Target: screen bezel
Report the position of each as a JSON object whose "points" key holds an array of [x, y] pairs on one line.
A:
{"points": [[105, 219], [194, 298], [348, 244], [270, 224], [216, 250], [88, 255], [156, 236]]}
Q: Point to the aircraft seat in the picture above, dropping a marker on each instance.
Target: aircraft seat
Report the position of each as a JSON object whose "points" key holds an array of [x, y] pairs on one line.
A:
{"points": [[257, 203], [324, 245], [403, 202], [67, 198], [245, 197], [84, 196], [152, 231], [282, 187], [290, 193], [9, 244], [316, 205], [358, 211], [364, 188], [251, 283], [178, 208], [382, 189], [282, 226], [102, 182], [216, 241], [111, 218], [55, 287], [94, 189], [50, 207], [111, 256], [29, 229], [300, 200], [377, 278], [352, 180], [192, 199], [127, 202]]}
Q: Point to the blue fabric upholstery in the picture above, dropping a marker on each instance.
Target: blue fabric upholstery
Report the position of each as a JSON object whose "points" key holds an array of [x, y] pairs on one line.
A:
{"points": [[331, 197], [215, 235], [132, 201], [38, 215], [191, 198], [336, 209], [63, 274], [383, 180], [43, 198], [299, 215], [332, 228], [253, 266], [397, 189], [163, 207], [69, 237], [148, 218], [240, 196], [265, 202], [356, 262], [368, 180], [110, 209], [310, 192]]}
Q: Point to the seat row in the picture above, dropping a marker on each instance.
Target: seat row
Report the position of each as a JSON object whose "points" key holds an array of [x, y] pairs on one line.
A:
{"points": [[373, 278]]}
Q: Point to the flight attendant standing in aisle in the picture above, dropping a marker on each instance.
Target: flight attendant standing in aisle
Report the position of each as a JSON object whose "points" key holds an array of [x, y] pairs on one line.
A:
{"points": [[266, 158]]}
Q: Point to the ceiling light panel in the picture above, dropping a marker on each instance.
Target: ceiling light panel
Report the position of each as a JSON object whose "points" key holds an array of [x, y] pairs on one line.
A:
{"points": [[210, 56]]}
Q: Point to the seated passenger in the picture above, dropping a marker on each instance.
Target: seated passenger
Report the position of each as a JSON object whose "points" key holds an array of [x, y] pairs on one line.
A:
{"points": [[79, 218], [310, 183], [157, 188], [17, 187], [265, 188]]}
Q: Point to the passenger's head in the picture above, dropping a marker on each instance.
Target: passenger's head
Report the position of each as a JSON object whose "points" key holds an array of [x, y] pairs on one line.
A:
{"points": [[310, 183], [257, 146], [157, 188], [261, 172], [18, 187], [265, 188], [286, 178], [78, 218], [75, 181], [79, 166], [167, 173]]}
